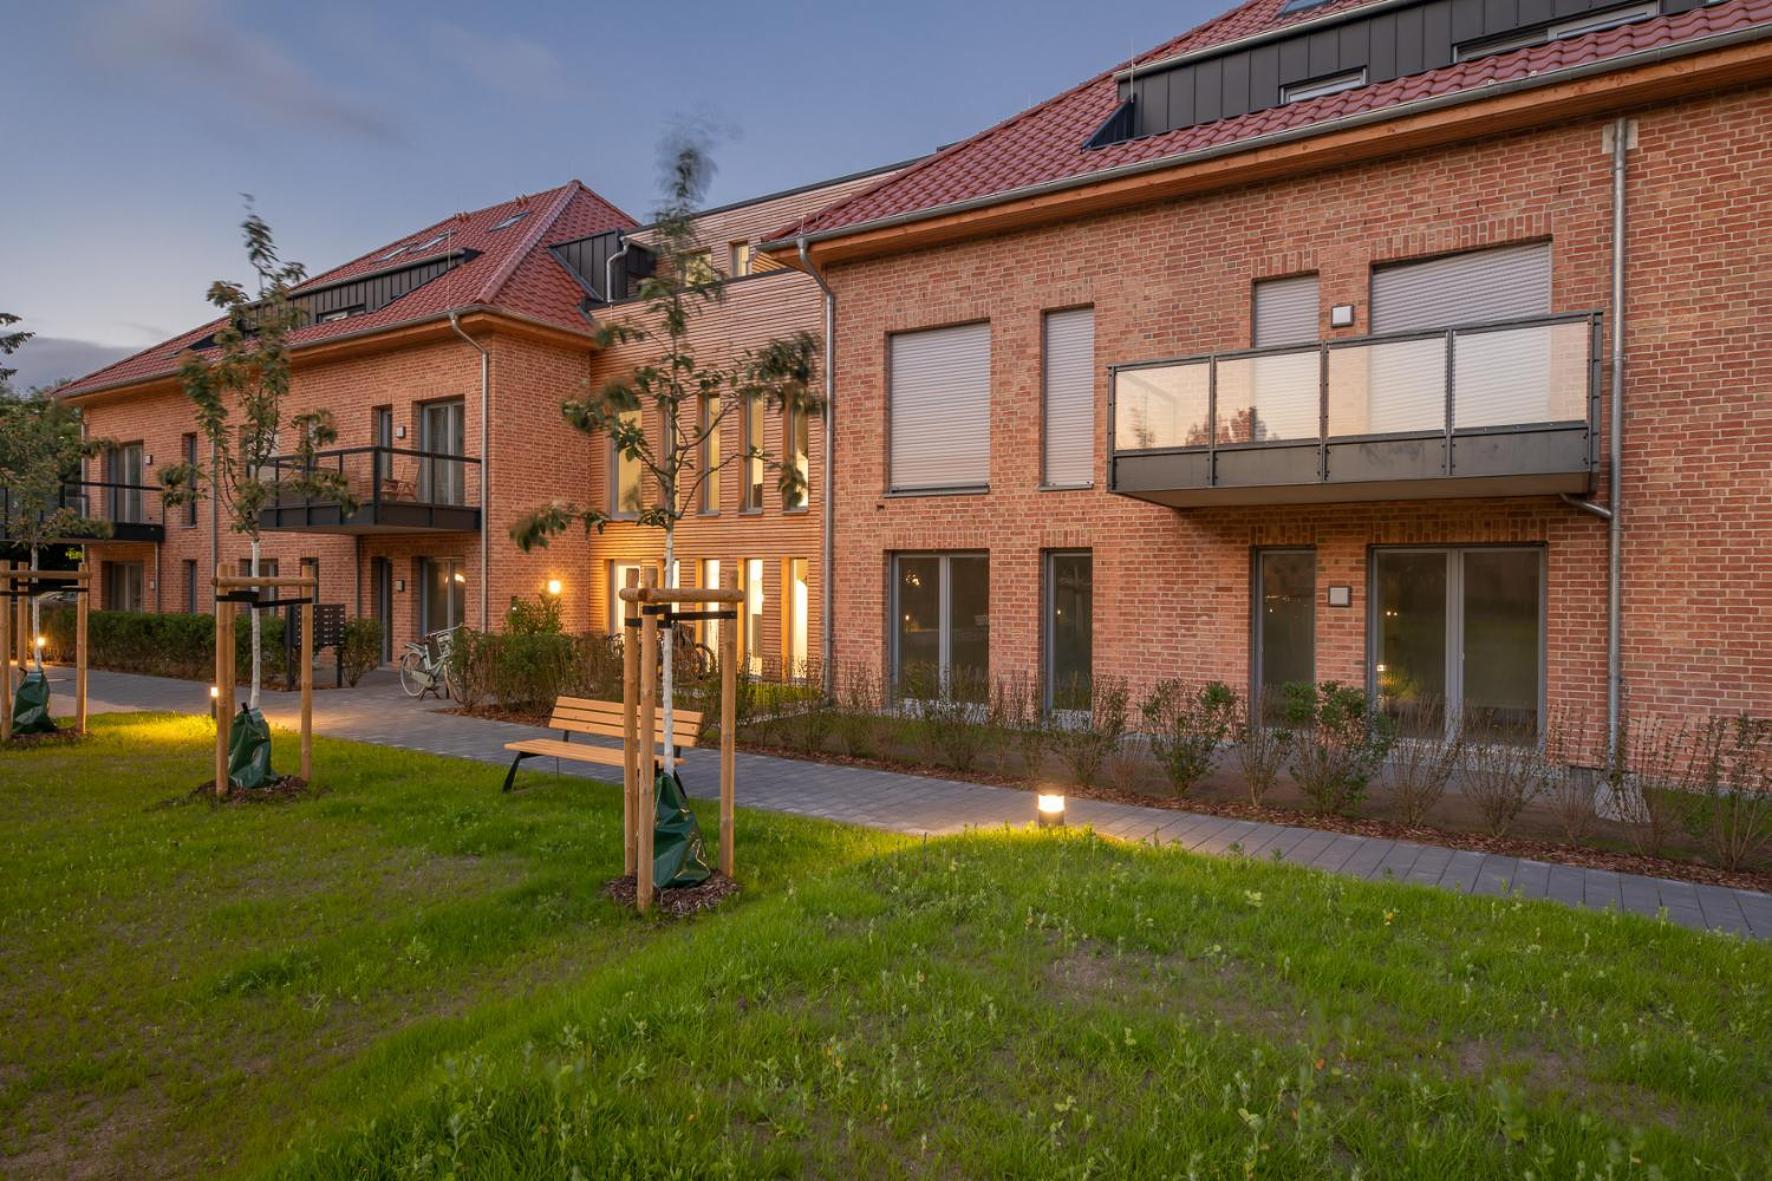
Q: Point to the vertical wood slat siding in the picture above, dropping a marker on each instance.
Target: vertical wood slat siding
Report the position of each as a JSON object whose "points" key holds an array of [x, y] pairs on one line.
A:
{"points": [[941, 408], [1507, 283], [1285, 311], [1069, 368]]}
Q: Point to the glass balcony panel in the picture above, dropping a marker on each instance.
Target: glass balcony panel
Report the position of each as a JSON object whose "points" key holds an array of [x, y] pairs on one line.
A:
{"points": [[1162, 406], [1390, 388], [1521, 376], [1273, 398]]}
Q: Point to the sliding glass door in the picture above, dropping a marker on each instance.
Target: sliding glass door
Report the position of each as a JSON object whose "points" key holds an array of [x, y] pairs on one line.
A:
{"points": [[941, 634], [1458, 634]]}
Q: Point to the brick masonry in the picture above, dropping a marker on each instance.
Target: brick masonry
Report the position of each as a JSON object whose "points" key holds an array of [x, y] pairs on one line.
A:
{"points": [[1172, 586]]}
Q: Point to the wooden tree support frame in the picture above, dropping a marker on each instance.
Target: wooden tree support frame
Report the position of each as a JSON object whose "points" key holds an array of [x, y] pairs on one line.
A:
{"points": [[640, 708], [18, 584], [226, 608]]}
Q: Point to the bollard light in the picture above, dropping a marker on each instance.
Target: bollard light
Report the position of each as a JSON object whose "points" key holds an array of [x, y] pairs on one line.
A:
{"points": [[1051, 810], [214, 699]]}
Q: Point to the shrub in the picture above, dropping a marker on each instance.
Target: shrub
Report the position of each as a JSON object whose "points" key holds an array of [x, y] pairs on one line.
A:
{"points": [[1186, 728], [1729, 781], [1339, 744], [1423, 759], [858, 722], [1086, 740], [162, 644], [1503, 773], [948, 722], [1569, 781], [1642, 778], [361, 649], [1262, 750]]}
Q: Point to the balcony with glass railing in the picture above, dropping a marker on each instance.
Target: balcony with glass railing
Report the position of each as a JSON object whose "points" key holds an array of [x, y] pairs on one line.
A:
{"points": [[133, 512], [1500, 409], [396, 489]]}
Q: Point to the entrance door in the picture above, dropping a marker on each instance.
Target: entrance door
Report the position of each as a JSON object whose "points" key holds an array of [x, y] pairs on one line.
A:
{"points": [[1458, 635], [441, 433], [444, 593], [382, 580]]}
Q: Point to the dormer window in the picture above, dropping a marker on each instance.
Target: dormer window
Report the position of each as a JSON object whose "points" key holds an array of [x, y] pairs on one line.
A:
{"points": [[1592, 22], [1300, 5], [512, 220], [1300, 92], [339, 314]]}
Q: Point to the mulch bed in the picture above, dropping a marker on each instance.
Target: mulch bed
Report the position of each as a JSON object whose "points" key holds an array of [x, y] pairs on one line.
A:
{"points": [[1537, 850], [287, 790], [58, 737], [679, 902], [496, 713]]}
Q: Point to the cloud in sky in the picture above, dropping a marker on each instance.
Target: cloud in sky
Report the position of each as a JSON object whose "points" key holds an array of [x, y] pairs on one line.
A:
{"points": [[507, 62], [200, 39], [45, 360]]}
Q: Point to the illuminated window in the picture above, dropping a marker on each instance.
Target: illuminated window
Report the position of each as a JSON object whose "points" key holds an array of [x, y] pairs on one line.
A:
{"points": [[698, 268], [794, 431], [741, 259], [751, 635], [626, 485], [753, 462], [709, 629], [710, 454]]}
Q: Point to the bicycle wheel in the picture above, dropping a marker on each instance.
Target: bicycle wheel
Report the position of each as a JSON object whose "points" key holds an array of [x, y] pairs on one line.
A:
{"points": [[412, 677]]}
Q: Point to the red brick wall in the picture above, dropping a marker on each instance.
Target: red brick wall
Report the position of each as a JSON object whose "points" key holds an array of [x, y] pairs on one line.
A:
{"points": [[1172, 586]]}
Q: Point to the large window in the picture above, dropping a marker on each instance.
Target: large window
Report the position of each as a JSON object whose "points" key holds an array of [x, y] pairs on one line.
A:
{"points": [[1068, 345], [940, 409], [443, 593], [625, 473], [1070, 628], [795, 437], [941, 617], [752, 467], [441, 435], [1285, 629], [1458, 634], [710, 454]]}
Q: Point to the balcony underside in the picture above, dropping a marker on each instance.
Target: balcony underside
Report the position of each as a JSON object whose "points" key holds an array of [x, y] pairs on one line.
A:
{"points": [[1528, 462], [134, 533], [406, 517]]}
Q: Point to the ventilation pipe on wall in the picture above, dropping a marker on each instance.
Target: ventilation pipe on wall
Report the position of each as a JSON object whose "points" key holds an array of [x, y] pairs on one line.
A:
{"points": [[485, 470], [827, 562]]}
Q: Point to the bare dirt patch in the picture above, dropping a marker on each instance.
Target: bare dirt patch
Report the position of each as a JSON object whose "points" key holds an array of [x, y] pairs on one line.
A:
{"points": [[678, 902]]}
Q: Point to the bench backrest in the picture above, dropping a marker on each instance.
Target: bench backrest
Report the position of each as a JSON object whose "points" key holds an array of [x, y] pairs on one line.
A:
{"points": [[581, 715]]}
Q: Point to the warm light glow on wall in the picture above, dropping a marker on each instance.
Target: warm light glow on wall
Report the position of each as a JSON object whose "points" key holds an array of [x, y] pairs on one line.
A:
{"points": [[554, 587]]}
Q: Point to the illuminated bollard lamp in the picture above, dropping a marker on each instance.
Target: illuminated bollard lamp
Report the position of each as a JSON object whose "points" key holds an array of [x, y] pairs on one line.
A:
{"points": [[1050, 810]]}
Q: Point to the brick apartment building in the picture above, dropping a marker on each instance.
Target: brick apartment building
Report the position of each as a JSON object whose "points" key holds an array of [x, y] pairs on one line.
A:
{"points": [[1283, 352], [443, 358]]}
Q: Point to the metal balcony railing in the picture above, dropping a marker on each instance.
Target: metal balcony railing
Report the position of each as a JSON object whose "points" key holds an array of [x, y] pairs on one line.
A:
{"points": [[1506, 407], [133, 511], [397, 489]]}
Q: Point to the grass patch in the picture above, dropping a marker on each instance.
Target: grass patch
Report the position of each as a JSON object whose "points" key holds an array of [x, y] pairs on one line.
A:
{"points": [[415, 976]]}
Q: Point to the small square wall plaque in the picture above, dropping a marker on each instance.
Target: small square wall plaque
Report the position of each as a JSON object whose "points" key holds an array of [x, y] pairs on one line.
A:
{"points": [[1341, 596], [400, 585]]}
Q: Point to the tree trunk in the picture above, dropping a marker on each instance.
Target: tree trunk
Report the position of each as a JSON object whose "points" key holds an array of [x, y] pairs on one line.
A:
{"points": [[252, 700], [36, 621], [669, 636]]}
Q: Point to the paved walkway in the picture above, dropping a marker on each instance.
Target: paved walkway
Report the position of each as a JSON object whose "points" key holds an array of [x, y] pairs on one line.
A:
{"points": [[377, 711]]}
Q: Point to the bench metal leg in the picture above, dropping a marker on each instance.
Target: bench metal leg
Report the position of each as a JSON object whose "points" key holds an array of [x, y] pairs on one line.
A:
{"points": [[511, 775]]}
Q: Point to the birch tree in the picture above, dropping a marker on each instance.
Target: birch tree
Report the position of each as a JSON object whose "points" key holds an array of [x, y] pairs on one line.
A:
{"points": [[687, 399]]}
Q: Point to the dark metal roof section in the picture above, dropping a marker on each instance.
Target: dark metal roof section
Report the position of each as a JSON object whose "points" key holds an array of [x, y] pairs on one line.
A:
{"points": [[588, 260], [1387, 41]]}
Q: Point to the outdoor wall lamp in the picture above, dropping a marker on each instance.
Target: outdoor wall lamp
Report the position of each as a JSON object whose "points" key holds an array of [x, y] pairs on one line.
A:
{"points": [[1051, 810], [1341, 316], [554, 588]]}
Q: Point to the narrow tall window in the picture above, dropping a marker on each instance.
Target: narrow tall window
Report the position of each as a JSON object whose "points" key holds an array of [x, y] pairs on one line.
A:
{"points": [[939, 409], [125, 469], [381, 434], [751, 637], [710, 454], [442, 436], [188, 449], [1070, 629], [618, 579], [741, 259], [443, 593], [1068, 342], [795, 611], [625, 469], [1284, 619], [709, 629], [795, 435], [941, 625], [190, 586], [753, 462]]}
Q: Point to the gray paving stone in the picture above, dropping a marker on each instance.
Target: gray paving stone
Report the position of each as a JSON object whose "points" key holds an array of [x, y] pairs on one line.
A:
{"points": [[1721, 910], [1600, 889], [1461, 871], [1395, 864], [1567, 885], [1335, 856], [1496, 875], [1428, 866]]}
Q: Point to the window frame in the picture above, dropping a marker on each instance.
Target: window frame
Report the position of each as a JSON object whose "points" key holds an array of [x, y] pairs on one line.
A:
{"points": [[1048, 629], [753, 421], [895, 491], [1323, 86]]}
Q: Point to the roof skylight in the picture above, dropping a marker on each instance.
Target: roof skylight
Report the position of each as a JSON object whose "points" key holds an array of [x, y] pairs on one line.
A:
{"points": [[512, 220]]}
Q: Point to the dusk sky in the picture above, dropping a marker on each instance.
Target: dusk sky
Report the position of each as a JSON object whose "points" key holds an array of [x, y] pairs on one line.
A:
{"points": [[135, 126]]}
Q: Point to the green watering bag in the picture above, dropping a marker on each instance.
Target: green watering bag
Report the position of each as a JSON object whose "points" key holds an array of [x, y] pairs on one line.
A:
{"points": [[30, 707], [249, 750], [678, 858]]}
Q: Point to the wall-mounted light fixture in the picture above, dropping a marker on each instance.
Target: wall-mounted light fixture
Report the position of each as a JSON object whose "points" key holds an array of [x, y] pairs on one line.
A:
{"points": [[399, 432], [400, 585], [554, 588], [1341, 316], [1341, 596]]}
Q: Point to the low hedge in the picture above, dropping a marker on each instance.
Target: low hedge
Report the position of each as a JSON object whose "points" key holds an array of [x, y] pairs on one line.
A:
{"points": [[160, 644]]}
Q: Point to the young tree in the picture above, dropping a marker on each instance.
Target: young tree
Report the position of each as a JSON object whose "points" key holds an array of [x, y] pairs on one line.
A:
{"points": [[248, 373], [689, 400], [40, 454]]}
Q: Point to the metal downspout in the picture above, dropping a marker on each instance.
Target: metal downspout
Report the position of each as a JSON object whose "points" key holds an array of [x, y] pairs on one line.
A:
{"points": [[1615, 451], [827, 571], [609, 271], [485, 470]]}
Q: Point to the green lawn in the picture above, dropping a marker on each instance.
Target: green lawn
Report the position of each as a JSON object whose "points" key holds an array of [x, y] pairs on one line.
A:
{"points": [[414, 976]]}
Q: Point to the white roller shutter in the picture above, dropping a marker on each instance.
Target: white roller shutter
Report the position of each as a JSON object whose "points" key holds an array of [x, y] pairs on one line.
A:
{"points": [[941, 408], [1069, 347], [1285, 311], [1484, 286]]}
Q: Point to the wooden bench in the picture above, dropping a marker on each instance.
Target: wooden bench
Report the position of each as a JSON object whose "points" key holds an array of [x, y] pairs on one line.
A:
{"points": [[598, 719]]}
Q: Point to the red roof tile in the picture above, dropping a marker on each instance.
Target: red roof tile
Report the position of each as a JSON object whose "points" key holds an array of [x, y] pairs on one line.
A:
{"points": [[1046, 143], [512, 270]]}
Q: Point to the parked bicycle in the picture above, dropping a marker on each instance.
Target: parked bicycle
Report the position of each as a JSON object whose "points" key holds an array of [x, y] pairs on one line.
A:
{"points": [[425, 667]]}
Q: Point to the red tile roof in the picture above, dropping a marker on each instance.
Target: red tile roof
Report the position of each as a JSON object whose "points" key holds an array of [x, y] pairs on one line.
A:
{"points": [[512, 270], [1046, 143]]}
